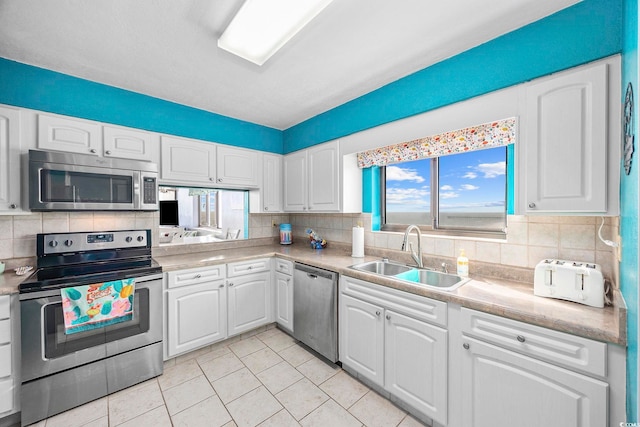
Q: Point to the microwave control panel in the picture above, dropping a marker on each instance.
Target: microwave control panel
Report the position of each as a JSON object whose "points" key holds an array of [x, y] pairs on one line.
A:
{"points": [[149, 191]]}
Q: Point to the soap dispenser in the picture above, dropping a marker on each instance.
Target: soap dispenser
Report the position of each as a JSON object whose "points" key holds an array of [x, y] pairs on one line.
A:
{"points": [[463, 265]]}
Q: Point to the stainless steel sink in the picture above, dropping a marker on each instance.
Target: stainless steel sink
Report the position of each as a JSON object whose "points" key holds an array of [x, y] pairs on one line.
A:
{"points": [[417, 276], [384, 268], [444, 281]]}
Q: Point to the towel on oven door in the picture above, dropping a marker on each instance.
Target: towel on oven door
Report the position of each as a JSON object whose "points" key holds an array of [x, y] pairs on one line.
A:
{"points": [[98, 305]]}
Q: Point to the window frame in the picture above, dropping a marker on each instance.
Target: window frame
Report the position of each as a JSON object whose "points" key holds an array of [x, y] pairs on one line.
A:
{"points": [[435, 228]]}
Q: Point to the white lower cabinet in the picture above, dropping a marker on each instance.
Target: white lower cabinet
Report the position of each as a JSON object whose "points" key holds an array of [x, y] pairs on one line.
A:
{"points": [[284, 294], [505, 383], [8, 382], [249, 302], [196, 309], [209, 304], [386, 337]]}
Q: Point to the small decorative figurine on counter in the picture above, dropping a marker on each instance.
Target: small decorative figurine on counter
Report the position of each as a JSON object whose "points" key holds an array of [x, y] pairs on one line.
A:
{"points": [[317, 242]]}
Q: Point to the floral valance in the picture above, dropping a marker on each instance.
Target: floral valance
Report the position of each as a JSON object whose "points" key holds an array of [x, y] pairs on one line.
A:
{"points": [[494, 134]]}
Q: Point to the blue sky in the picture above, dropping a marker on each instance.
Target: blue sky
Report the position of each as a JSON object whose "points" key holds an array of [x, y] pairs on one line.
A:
{"points": [[469, 182]]}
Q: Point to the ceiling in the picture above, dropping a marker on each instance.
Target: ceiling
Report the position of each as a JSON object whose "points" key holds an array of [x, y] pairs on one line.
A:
{"points": [[168, 48]]}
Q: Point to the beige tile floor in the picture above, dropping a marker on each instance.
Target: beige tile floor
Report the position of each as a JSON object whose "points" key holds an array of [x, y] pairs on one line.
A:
{"points": [[266, 379]]}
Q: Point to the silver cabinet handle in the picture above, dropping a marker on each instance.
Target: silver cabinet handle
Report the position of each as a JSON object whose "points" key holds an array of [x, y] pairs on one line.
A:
{"points": [[210, 178], [197, 276], [250, 267], [520, 338], [266, 208], [108, 152], [288, 280], [465, 346], [219, 179], [93, 150], [221, 286], [532, 205], [378, 313], [13, 206], [388, 317], [230, 284]]}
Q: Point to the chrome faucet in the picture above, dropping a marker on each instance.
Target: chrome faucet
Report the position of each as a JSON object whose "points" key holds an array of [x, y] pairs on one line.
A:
{"points": [[416, 257]]}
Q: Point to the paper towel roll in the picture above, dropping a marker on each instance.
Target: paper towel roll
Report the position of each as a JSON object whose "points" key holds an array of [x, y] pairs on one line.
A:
{"points": [[358, 242]]}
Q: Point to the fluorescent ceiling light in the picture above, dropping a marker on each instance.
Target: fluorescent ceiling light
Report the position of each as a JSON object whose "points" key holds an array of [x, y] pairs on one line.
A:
{"points": [[261, 27]]}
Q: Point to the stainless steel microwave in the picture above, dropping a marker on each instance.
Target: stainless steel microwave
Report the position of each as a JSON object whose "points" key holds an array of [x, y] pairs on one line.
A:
{"points": [[65, 181]]}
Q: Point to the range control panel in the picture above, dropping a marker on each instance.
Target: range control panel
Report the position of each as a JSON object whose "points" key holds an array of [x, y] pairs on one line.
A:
{"points": [[78, 242]]}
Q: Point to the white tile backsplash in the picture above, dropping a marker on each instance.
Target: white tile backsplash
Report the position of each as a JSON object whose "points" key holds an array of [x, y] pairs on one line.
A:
{"points": [[529, 238]]}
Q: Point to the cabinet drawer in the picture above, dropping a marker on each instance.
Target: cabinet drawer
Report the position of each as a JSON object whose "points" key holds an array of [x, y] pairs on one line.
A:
{"points": [[284, 266], [5, 331], [5, 360], [176, 279], [247, 267], [4, 307], [412, 305], [6, 395], [559, 348]]}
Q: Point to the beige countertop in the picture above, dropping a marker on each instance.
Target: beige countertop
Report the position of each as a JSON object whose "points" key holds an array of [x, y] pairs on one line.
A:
{"points": [[514, 300]]}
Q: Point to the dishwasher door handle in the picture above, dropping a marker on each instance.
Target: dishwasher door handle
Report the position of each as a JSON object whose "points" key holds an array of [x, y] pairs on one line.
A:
{"points": [[312, 276]]}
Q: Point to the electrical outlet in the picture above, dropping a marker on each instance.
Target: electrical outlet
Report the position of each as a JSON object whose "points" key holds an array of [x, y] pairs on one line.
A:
{"points": [[619, 248], [273, 223]]}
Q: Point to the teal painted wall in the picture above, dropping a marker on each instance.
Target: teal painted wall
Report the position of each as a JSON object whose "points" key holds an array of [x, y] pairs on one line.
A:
{"points": [[629, 211], [32, 87], [587, 31]]}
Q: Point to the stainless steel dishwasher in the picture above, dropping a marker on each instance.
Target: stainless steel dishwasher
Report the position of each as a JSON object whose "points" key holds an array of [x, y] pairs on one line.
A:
{"points": [[315, 309]]}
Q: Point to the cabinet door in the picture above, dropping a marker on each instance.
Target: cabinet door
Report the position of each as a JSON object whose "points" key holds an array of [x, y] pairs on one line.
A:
{"points": [[503, 389], [295, 181], [415, 368], [361, 338], [72, 135], [196, 316], [188, 161], [565, 143], [271, 183], [284, 301], [324, 177], [127, 143], [10, 149], [249, 302], [236, 166]]}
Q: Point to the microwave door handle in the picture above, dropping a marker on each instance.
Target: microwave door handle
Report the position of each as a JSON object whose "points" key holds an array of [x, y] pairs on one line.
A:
{"points": [[137, 197]]}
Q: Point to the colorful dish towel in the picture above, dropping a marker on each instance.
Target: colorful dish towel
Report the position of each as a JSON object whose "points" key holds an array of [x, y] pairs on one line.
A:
{"points": [[96, 306]]}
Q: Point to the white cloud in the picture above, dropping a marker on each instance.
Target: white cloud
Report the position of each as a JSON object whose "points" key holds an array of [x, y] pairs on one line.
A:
{"points": [[470, 175], [407, 196], [395, 173], [492, 170], [449, 195], [469, 187], [446, 188]]}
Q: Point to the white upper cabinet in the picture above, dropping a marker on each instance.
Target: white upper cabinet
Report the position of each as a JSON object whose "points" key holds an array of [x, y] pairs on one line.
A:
{"points": [[313, 178], [128, 143], [10, 165], [188, 161], [323, 162], [295, 181], [69, 134], [59, 133], [237, 166], [569, 152], [271, 190]]}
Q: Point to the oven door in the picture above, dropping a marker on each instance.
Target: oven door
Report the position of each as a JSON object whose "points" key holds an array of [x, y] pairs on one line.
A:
{"points": [[46, 349]]}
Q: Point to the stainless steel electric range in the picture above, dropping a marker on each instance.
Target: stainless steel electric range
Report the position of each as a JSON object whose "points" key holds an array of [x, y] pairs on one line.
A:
{"points": [[60, 370]]}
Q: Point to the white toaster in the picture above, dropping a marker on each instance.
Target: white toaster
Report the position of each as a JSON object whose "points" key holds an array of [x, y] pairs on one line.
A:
{"points": [[569, 280]]}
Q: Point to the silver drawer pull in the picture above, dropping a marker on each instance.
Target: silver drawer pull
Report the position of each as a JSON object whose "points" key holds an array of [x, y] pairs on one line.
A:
{"points": [[230, 284], [378, 313], [465, 346], [520, 338], [250, 267], [197, 276], [388, 317]]}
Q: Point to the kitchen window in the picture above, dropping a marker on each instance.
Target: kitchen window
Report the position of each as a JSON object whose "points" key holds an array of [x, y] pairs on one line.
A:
{"points": [[455, 194]]}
